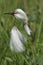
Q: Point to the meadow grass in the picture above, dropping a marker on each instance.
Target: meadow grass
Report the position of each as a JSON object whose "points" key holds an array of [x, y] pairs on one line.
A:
{"points": [[33, 54]]}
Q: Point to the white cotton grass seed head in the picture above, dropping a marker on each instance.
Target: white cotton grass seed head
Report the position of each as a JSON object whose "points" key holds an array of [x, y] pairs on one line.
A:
{"points": [[20, 14], [15, 42], [27, 29]]}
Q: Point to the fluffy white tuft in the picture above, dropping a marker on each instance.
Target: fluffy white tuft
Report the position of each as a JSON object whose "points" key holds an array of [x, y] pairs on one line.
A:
{"points": [[15, 41], [20, 14], [27, 29]]}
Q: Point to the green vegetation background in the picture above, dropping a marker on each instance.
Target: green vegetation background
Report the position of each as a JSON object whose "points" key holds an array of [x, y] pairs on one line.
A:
{"points": [[34, 46]]}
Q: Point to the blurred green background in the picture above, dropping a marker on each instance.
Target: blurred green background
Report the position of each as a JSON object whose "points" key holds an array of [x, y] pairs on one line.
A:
{"points": [[33, 54]]}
